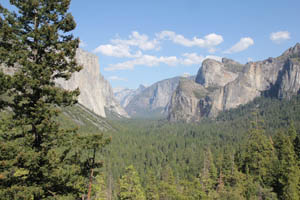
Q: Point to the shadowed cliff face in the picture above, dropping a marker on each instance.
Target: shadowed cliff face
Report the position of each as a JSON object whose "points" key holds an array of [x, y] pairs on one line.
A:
{"points": [[229, 84], [95, 92]]}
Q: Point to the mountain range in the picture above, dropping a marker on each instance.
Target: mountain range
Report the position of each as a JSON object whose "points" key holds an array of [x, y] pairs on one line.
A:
{"points": [[218, 86]]}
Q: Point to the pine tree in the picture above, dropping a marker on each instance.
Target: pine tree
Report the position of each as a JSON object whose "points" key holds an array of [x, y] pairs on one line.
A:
{"points": [[37, 160], [151, 187], [100, 187], [208, 175], [257, 156], [168, 188], [130, 186], [287, 171]]}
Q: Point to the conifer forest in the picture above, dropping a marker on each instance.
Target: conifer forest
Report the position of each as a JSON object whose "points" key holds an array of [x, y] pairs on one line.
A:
{"points": [[53, 147]]}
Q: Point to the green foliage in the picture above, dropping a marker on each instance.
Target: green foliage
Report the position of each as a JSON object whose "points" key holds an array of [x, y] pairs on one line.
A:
{"points": [[100, 188], [38, 158], [287, 171], [228, 145], [130, 186], [152, 188], [257, 156]]}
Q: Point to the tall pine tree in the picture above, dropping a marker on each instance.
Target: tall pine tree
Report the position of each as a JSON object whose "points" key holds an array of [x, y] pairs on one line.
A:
{"points": [[36, 158]]}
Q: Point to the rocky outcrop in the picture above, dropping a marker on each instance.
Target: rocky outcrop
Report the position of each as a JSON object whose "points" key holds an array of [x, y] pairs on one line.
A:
{"points": [[95, 92], [189, 102], [214, 74], [229, 84]]}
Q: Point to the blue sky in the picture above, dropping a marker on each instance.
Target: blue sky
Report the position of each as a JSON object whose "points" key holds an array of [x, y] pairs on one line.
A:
{"points": [[144, 41]]}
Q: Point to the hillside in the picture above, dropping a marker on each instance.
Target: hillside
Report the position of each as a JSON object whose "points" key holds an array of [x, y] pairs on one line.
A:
{"points": [[156, 146]]}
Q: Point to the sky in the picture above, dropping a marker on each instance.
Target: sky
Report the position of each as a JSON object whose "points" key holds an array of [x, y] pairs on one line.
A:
{"points": [[145, 41]]}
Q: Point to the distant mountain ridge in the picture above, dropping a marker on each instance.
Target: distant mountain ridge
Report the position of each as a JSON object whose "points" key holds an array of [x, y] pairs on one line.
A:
{"points": [[125, 95], [149, 102], [224, 85]]}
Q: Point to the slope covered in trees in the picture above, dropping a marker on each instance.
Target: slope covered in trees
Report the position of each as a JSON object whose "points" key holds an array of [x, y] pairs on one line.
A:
{"points": [[251, 152]]}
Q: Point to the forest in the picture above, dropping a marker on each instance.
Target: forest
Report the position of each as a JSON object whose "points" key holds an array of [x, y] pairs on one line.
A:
{"points": [[250, 152]]}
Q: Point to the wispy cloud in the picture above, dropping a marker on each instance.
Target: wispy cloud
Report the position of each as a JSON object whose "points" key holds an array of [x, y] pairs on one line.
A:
{"points": [[209, 41], [116, 78], [139, 40], [193, 58], [145, 60], [242, 45], [280, 36], [187, 59], [119, 51], [121, 48]]}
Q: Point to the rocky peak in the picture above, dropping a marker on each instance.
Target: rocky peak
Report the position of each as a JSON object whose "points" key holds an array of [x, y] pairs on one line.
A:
{"points": [[141, 87], [214, 73], [229, 61], [293, 51]]}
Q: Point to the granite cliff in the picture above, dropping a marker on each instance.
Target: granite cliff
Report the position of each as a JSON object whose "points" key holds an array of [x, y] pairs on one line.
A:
{"points": [[228, 84], [96, 93]]}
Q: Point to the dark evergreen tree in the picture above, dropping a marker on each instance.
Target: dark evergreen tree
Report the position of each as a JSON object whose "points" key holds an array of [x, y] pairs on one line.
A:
{"points": [[37, 160], [256, 157], [287, 172]]}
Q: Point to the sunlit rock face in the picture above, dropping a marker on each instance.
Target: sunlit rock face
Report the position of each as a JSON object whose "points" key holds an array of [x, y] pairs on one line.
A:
{"points": [[95, 92], [228, 84]]}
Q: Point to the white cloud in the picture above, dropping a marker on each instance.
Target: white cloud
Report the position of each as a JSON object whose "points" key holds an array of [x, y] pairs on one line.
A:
{"points": [[209, 41], [149, 60], [280, 36], [217, 58], [119, 51], [121, 48], [193, 58], [116, 78], [139, 40], [242, 45], [145, 60]]}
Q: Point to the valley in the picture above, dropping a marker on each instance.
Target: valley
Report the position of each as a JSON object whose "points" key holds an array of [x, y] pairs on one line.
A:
{"points": [[191, 108]]}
